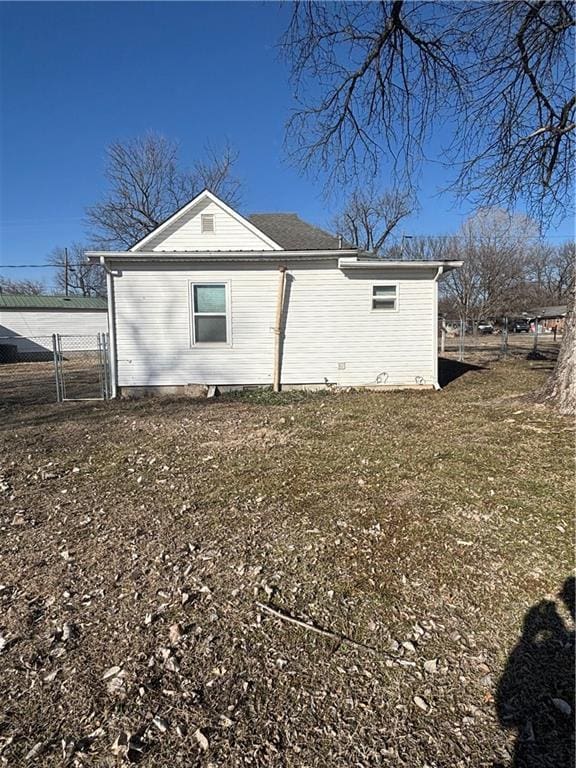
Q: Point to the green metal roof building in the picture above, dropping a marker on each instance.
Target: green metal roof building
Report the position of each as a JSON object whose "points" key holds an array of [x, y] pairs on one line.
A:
{"points": [[63, 303], [27, 323]]}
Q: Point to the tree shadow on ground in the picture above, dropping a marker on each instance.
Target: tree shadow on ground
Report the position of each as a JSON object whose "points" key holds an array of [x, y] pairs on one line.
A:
{"points": [[535, 695], [450, 370]]}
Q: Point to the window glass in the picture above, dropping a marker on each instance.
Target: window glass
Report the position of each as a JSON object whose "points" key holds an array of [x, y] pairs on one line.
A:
{"points": [[210, 329], [384, 304], [384, 297], [209, 298], [384, 290]]}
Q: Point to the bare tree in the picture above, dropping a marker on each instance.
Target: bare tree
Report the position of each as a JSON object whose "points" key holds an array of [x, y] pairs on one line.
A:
{"points": [[146, 186], [423, 247], [81, 278], [28, 287], [495, 79], [493, 245], [550, 276], [560, 388], [517, 138], [368, 218], [564, 271]]}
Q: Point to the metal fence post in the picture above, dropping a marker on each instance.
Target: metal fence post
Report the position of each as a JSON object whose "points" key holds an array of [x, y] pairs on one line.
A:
{"points": [[461, 342], [535, 348], [104, 359], [108, 366], [61, 366], [56, 373], [100, 365], [504, 348]]}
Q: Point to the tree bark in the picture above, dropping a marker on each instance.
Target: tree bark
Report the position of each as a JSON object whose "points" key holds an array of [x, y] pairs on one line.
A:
{"points": [[560, 389]]}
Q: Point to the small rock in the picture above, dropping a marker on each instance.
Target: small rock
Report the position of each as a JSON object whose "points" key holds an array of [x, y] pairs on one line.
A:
{"points": [[172, 664], [431, 666], [175, 634], [421, 703], [226, 722], [36, 750], [67, 631], [160, 723], [111, 672], [201, 739], [407, 645]]}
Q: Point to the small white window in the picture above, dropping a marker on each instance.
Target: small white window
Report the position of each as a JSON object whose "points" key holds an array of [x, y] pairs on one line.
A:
{"points": [[207, 222], [384, 297], [209, 313]]}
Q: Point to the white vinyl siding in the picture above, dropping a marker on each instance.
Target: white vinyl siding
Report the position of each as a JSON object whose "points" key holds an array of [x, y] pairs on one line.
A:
{"points": [[30, 323], [186, 233], [331, 332]]}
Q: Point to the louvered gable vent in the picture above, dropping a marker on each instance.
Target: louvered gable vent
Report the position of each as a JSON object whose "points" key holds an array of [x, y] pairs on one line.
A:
{"points": [[207, 222]]}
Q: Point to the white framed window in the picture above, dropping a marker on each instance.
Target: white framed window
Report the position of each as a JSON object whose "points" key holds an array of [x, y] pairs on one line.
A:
{"points": [[210, 304], [385, 297], [207, 223]]}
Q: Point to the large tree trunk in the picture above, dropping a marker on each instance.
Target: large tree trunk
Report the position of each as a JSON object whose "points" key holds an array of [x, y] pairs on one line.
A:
{"points": [[561, 386]]}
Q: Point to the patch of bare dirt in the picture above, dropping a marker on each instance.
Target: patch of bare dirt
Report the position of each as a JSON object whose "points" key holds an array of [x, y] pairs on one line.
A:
{"points": [[354, 579]]}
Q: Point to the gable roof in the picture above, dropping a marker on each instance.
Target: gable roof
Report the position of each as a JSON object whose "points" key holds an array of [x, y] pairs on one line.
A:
{"points": [[25, 301], [293, 234], [206, 195]]}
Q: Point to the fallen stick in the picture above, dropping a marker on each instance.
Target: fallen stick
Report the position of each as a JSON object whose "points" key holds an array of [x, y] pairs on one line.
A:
{"points": [[313, 627]]}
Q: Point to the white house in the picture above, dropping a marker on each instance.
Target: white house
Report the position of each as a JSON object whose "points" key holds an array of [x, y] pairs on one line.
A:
{"points": [[213, 298], [28, 322]]}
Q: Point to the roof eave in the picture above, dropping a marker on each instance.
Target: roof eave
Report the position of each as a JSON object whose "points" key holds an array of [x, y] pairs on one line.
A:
{"points": [[192, 256], [376, 263]]}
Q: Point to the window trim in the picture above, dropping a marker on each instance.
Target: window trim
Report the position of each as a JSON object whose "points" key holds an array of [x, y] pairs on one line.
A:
{"points": [[192, 314], [204, 216], [385, 284]]}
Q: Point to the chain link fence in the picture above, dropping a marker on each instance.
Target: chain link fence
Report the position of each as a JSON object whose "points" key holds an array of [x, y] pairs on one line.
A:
{"points": [[26, 370], [44, 369], [81, 364], [459, 341], [25, 349]]}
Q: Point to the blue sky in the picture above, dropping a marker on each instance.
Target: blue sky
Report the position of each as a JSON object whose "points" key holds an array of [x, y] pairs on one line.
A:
{"points": [[76, 76]]}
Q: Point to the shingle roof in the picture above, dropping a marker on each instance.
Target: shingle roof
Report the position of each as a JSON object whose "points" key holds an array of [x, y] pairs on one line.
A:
{"points": [[293, 234], [549, 312], [24, 301]]}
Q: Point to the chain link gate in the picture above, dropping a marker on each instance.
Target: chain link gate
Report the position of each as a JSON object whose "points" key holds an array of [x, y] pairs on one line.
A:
{"points": [[82, 367]]}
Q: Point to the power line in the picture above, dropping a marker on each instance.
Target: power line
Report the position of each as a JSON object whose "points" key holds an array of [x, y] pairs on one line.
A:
{"points": [[27, 266]]}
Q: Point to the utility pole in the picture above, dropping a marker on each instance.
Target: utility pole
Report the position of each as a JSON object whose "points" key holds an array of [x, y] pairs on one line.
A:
{"points": [[402, 250], [66, 271]]}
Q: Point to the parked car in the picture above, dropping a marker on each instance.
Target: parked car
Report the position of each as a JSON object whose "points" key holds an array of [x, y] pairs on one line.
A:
{"points": [[520, 326], [485, 327]]}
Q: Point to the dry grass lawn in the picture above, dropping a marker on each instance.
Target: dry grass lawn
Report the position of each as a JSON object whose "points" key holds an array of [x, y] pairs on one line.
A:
{"points": [[419, 529]]}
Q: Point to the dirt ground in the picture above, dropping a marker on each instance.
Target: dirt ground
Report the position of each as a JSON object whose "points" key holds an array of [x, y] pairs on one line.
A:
{"points": [[156, 555]]}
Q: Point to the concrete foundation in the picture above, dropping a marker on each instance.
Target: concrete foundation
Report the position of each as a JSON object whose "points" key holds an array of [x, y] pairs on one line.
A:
{"points": [[204, 390]]}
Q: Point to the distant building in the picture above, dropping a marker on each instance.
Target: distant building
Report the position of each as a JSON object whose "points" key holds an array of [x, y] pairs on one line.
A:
{"points": [[548, 317], [27, 323]]}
